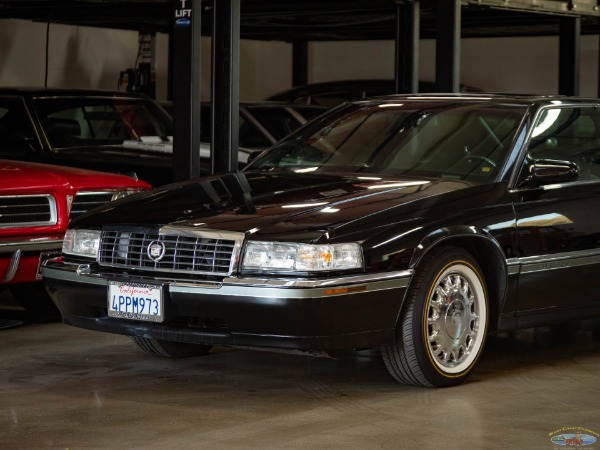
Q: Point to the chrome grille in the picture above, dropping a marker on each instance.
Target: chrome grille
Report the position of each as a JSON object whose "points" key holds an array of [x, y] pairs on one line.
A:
{"points": [[182, 253], [27, 211]]}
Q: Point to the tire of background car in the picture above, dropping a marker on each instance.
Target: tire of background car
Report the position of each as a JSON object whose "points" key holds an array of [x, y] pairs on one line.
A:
{"points": [[170, 349], [443, 325], [36, 301]]}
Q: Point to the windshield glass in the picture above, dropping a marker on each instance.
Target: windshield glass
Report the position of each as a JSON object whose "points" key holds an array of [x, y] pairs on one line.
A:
{"points": [[89, 121], [466, 141]]}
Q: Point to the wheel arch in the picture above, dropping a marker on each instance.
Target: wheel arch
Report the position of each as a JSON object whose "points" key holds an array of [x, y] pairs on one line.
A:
{"points": [[486, 251]]}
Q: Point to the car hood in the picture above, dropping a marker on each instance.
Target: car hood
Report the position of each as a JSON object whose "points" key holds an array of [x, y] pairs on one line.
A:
{"points": [[287, 205], [27, 176]]}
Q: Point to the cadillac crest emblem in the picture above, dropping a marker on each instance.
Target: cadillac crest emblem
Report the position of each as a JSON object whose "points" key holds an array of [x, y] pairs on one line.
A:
{"points": [[156, 251]]}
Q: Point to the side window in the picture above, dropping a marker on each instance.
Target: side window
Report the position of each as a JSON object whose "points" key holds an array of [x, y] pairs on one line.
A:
{"points": [[17, 134], [569, 134], [250, 136]]}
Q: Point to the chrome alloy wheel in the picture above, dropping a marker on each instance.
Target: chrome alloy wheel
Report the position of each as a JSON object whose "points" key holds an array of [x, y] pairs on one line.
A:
{"points": [[455, 309]]}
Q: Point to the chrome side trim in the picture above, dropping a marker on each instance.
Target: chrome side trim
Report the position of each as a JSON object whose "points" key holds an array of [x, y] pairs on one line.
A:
{"points": [[513, 266], [32, 244], [566, 260]]}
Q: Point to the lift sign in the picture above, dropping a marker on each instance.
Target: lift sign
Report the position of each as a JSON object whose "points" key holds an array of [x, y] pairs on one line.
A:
{"points": [[183, 15]]}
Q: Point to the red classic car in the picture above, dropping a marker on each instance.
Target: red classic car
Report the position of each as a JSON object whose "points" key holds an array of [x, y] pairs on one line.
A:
{"points": [[37, 201]]}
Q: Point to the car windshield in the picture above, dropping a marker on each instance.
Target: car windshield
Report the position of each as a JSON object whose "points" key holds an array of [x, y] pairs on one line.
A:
{"points": [[91, 121], [462, 141]]}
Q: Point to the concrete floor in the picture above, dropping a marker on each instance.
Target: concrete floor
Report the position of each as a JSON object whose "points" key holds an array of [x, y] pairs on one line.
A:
{"points": [[66, 388]]}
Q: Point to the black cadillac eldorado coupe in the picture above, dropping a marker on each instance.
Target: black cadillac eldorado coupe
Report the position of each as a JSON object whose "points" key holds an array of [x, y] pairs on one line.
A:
{"points": [[415, 224]]}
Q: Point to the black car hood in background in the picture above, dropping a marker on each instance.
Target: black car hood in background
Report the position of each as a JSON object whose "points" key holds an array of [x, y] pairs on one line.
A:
{"points": [[286, 204]]}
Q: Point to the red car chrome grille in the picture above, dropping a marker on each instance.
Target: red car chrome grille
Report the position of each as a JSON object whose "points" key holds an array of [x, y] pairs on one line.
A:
{"points": [[27, 210]]}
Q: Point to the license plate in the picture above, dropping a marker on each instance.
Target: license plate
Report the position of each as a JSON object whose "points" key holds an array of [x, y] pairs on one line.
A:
{"points": [[136, 301]]}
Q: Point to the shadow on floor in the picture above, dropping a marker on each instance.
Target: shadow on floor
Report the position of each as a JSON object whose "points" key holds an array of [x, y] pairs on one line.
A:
{"points": [[12, 314]]}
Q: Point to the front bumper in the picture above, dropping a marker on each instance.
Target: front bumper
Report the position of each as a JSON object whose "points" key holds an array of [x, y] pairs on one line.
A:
{"points": [[300, 314], [20, 258]]}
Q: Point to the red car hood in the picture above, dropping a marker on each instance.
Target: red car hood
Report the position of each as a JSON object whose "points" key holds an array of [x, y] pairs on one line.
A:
{"points": [[27, 177], [62, 183]]}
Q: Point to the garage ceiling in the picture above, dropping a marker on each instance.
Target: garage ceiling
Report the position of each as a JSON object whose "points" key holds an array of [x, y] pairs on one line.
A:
{"points": [[293, 20]]}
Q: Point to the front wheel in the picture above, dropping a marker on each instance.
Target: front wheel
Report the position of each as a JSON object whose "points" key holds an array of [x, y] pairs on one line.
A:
{"points": [[443, 325]]}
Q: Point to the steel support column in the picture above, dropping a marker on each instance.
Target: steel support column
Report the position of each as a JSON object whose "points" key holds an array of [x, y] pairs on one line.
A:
{"points": [[568, 64], [186, 90], [299, 63], [225, 105], [447, 47], [406, 75], [598, 92]]}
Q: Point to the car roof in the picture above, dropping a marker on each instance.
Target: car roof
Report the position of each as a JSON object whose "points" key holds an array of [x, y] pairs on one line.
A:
{"points": [[371, 85], [524, 99], [270, 104], [258, 104]]}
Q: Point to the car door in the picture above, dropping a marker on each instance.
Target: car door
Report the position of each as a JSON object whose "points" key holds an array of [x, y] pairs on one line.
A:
{"points": [[558, 223]]}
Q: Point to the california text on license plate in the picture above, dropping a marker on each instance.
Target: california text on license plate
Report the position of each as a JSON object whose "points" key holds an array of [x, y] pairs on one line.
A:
{"points": [[135, 301]]}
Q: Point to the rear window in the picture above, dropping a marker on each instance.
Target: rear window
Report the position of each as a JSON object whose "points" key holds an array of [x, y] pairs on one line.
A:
{"points": [[83, 121]]}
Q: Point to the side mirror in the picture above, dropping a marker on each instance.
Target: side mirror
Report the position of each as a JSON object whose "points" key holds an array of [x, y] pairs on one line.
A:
{"points": [[549, 171]]}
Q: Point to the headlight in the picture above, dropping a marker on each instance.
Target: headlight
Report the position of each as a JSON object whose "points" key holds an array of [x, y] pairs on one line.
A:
{"points": [[283, 256], [82, 243], [123, 194]]}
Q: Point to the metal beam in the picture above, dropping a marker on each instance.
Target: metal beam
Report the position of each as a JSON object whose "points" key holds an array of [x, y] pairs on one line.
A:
{"points": [[564, 7], [598, 92], [299, 63], [186, 90], [311, 20], [447, 48], [225, 104], [568, 64], [407, 47]]}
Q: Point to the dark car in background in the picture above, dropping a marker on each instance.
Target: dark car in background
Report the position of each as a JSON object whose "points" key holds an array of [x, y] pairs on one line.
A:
{"points": [[416, 224], [37, 201], [332, 93], [261, 124], [122, 132], [98, 130]]}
